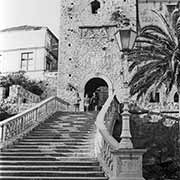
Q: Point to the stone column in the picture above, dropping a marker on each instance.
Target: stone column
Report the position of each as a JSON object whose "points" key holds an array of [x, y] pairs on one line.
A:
{"points": [[81, 94]]}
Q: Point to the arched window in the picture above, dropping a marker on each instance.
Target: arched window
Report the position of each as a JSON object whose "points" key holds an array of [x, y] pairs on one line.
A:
{"points": [[176, 97], [95, 5], [156, 98]]}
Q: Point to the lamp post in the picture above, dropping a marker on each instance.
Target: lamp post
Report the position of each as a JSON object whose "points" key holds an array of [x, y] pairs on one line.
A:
{"points": [[125, 38], [127, 160]]}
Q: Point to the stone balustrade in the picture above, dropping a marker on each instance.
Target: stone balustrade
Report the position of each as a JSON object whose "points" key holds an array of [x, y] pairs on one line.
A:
{"points": [[119, 162], [15, 127]]}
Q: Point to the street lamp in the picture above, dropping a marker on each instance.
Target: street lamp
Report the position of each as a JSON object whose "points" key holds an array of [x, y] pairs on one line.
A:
{"points": [[125, 38]]}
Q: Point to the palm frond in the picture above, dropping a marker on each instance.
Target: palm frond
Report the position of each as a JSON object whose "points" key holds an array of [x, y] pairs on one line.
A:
{"points": [[157, 57], [169, 30]]}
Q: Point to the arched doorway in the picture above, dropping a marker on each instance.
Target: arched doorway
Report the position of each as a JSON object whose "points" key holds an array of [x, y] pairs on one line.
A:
{"points": [[99, 87]]}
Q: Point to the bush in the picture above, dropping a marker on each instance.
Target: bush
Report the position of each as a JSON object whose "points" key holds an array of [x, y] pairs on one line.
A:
{"points": [[18, 78]]}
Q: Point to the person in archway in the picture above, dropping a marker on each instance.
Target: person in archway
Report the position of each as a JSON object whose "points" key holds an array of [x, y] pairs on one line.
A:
{"points": [[77, 102], [86, 103], [94, 101]]}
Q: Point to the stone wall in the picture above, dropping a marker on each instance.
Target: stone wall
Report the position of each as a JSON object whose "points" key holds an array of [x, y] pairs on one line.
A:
{"points": [[51, 80], [88, 47], [22, 94]]}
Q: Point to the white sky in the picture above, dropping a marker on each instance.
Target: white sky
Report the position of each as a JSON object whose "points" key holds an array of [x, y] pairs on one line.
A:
{"points": [[30, 12]]}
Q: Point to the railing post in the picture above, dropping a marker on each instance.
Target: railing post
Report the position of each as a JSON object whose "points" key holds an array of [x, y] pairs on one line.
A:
{"points": [[1, 133], [127, 164], [4, 133], [46, 108], [56, 103], [125, 135], [22, 123]]}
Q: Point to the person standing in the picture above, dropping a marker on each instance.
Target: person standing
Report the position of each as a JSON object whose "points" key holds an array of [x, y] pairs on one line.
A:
{"points": [[77, 102], [86, 103], [94, 101]]}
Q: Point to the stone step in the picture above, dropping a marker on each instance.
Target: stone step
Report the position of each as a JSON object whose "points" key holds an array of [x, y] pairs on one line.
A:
{"points": [[53, 173], [39, 149], [59, 157], [54, 143], [57, 146], [59, 134], [50, 163], [50, 168], [55, 137], [59, 178], [48, 152], [53, 140], [73, 130]]}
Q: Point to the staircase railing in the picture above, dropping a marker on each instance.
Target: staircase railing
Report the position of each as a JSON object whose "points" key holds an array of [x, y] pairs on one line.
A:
{"points": [[105, 142], [117, 162], [15, 127]]}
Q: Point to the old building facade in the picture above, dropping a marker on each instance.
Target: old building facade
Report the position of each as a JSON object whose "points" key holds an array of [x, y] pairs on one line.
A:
{"points": [[89, 56], [28, 48]]}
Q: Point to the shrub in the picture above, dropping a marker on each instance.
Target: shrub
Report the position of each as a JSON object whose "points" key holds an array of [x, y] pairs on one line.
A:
{"points": [[18, 78]]}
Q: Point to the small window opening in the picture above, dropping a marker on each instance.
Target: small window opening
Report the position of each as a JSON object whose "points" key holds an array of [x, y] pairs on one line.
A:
{"points": [[95, 5], [24, 100], [155, 99], [176, 97], [7, 91]]}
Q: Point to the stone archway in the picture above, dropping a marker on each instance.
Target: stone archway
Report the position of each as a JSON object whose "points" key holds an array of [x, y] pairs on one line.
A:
{"points": [[91, 84]]}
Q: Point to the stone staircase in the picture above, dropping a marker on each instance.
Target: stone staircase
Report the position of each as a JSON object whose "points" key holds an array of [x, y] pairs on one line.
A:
{"points": [[59, 148]]}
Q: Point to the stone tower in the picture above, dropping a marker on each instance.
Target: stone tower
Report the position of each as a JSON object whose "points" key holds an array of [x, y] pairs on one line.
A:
{"points": [[89, 56]]}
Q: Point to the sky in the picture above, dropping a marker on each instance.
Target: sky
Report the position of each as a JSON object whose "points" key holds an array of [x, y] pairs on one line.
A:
{"points": [[30, 12]]}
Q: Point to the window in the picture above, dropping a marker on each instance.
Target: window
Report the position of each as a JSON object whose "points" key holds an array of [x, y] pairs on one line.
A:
{"points": [[176, 97], [95, 5], [154, 99], [170, 8], [27, 61], [48, 64]]}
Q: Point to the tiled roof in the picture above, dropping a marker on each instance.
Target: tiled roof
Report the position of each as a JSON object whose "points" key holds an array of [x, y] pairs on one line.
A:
{"points": [[22, 28]]}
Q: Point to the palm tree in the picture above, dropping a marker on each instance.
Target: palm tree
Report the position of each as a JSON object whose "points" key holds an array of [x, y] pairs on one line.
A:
{"points": [[155, 60]]}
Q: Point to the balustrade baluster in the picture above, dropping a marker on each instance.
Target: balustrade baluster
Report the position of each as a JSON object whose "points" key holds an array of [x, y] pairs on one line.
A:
{"points": [[22, 124], [1, 132], [46, 108], [13, 127], [4, 133]]}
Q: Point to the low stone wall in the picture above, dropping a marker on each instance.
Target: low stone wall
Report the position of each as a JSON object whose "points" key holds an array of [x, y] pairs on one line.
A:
{"points": [[22, 94]]}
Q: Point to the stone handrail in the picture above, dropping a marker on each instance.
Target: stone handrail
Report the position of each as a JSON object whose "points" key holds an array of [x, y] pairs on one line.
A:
{"points": [[15, 127], [118, 163], [105, 142]]}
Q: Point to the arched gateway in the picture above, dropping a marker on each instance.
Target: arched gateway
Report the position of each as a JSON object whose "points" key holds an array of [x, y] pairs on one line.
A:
{"points": [[98, 84]]}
